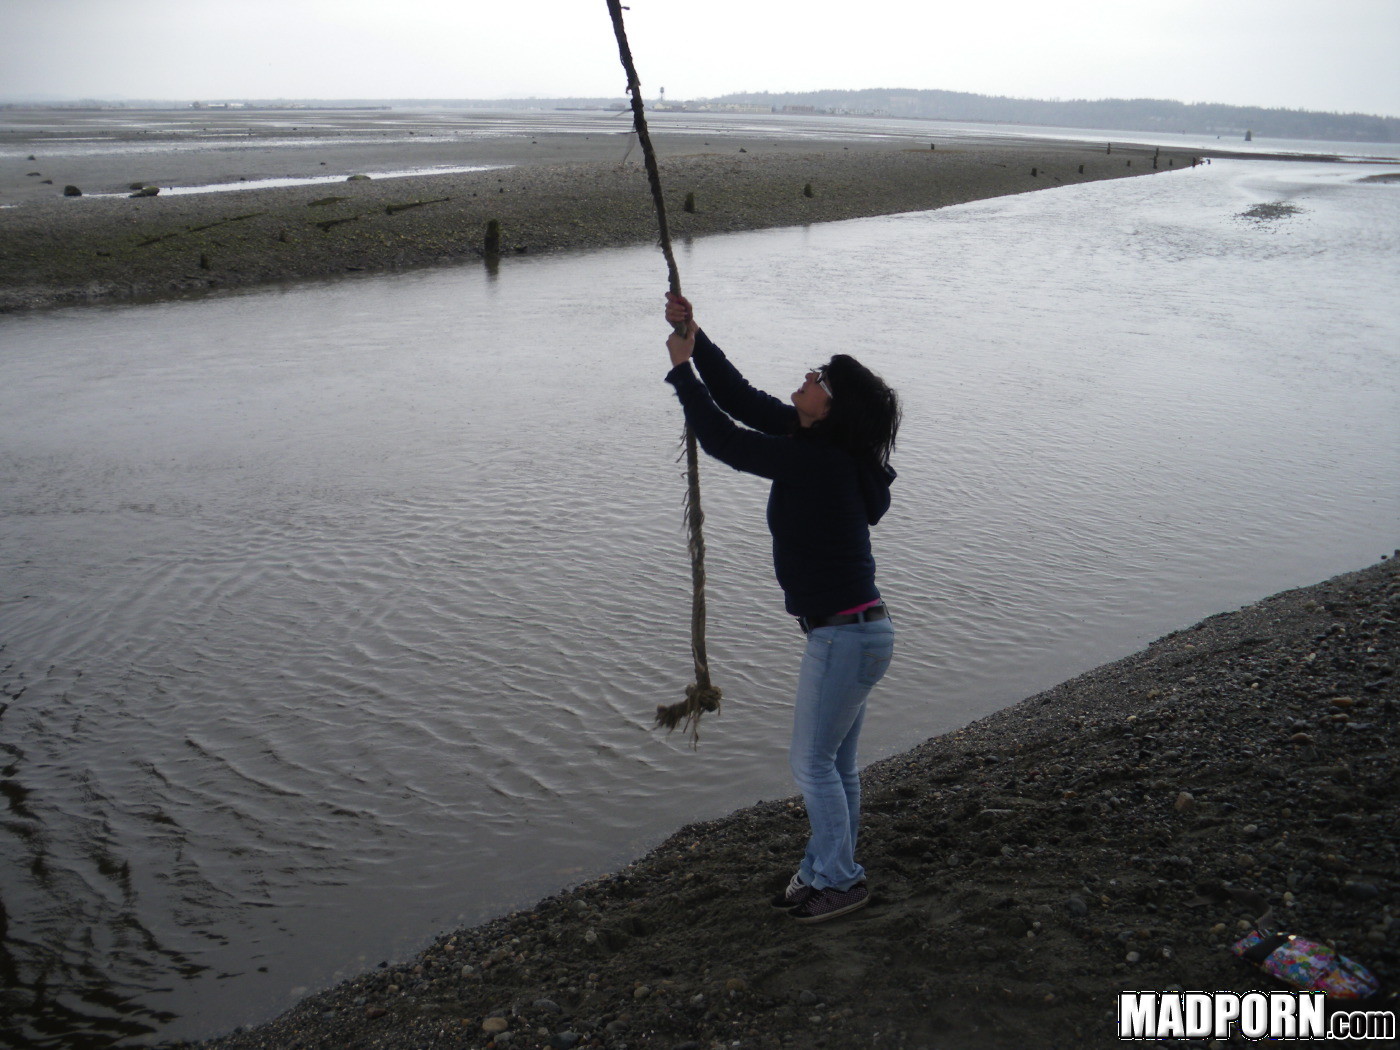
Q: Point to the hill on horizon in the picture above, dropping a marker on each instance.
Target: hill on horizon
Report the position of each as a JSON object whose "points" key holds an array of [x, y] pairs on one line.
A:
{"points": [[1137, 114]]}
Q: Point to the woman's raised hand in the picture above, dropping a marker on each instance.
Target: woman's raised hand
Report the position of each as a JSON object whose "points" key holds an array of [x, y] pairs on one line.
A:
{"points": [[680, 347], [679, 312]]}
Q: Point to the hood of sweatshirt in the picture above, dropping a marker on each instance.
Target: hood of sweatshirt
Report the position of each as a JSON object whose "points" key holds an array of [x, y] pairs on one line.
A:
{"points": [[875, 480]]}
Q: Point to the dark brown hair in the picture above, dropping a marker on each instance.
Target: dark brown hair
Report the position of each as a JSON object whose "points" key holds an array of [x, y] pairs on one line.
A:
{"points": [[865, 414]]}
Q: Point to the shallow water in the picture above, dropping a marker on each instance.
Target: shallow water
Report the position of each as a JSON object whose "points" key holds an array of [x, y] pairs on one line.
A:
{"points": [[364, 592], [323, 180]]}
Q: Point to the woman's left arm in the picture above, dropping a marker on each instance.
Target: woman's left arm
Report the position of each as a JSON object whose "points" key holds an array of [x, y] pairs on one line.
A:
{"points": [[768, 456]]}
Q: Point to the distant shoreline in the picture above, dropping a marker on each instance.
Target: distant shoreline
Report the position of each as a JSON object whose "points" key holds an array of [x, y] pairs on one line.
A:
{"points": [[1142, 114], [553, 192]]}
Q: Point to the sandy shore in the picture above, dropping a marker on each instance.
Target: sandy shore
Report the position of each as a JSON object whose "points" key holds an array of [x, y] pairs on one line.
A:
{"points": [[553, 191], [1119, 831]]}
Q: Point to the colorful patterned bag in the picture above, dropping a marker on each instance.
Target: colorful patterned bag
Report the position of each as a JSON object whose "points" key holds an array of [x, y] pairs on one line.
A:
{"points": [[1307, 965]]}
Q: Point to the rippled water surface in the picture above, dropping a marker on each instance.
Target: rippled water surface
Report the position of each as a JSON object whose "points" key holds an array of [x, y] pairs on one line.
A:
{"points": [[334, 617]]}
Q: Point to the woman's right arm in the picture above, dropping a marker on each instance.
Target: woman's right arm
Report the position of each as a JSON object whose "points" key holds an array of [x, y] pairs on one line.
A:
{"points": [[730, 390]]}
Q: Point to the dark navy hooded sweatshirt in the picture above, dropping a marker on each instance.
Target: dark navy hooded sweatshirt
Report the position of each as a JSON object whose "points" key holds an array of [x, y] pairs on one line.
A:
{"points": [[823, 500]]}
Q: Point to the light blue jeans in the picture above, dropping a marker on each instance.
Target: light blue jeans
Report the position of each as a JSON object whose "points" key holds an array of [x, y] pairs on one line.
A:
{"points": [[839, 668]]}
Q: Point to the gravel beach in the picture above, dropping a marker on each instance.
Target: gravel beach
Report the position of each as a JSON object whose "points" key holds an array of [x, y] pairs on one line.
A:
{"points": [[548, 191], [1119, 831]]}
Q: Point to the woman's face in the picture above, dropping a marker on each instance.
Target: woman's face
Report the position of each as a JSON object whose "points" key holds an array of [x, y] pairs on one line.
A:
{"points": [[813, 398]]}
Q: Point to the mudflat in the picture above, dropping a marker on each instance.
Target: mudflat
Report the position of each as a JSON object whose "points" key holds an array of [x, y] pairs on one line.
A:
{"points": [[545, 190]]}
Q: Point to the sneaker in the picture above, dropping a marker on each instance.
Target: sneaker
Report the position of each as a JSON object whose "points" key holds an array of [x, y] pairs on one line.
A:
{"points": [[821, 905], [796, 893]]}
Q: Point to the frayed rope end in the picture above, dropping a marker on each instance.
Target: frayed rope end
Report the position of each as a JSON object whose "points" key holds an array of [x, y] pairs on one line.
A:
{"points": [[686, 714]]}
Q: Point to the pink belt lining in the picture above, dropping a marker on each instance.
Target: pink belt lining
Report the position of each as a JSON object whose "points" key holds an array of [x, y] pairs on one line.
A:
{"points": [[860, 608]]}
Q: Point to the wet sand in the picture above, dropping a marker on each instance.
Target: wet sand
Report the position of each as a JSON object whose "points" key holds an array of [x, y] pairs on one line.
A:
{"points": [[552, 192]]}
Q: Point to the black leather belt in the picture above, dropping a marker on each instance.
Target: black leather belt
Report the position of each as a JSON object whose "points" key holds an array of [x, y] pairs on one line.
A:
{"points": [[811, 623]]}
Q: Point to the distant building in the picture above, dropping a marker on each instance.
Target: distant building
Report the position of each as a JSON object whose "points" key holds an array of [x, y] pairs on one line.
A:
{"points": [[730, 107]]}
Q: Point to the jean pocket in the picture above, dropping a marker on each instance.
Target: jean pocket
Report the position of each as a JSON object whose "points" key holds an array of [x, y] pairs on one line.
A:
{"points": [[874, 664]]}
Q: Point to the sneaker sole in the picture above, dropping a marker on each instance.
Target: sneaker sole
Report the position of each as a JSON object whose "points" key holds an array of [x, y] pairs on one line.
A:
{"points": [[808, 920]]}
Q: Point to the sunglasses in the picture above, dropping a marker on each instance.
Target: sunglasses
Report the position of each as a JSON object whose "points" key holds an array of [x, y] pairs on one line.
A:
{"points": [[821, 380]]}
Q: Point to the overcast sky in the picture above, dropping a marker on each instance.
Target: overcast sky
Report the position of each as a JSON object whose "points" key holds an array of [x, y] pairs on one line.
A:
{"points": [[1303, 54]]}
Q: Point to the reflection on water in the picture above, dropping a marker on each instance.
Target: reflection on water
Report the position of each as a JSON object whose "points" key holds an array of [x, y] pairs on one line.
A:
{"points": [[366, 591]]}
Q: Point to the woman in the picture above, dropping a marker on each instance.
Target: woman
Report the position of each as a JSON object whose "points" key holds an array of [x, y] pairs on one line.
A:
{"points": [[827, 454]]}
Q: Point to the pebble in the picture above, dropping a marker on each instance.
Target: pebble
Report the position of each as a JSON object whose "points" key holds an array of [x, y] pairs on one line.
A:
{"points": [[492, 1025], [1360, 891], [1184, 801]]}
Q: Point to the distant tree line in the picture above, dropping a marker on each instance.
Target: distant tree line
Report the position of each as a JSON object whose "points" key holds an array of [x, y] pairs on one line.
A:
{"points": [[1133, 114]]}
